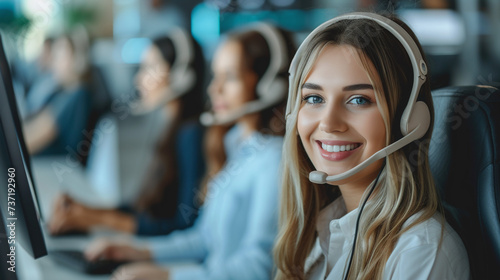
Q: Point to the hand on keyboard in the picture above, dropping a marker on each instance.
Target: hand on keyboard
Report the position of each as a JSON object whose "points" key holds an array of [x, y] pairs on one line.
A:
{"points": [[76, 260], [117, 251]]}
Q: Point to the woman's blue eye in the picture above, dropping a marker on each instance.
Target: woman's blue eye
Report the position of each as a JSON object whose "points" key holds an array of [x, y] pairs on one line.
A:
{"points": [[313, 99], [359, 100]]}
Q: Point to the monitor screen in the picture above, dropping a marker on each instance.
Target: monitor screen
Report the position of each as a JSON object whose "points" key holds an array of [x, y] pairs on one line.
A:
{"points": [[18, 203]]}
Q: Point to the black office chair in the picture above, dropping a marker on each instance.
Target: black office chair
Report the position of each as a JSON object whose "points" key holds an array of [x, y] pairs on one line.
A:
{"points": [[465, 162]]}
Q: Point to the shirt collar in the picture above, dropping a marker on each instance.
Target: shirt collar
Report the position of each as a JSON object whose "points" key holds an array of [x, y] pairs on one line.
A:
{"points": [[333, 216], [348, 223], [332, 211]]}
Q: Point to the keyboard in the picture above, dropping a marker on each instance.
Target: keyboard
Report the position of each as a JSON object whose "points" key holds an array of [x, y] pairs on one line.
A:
{"points": [[76, 260]]}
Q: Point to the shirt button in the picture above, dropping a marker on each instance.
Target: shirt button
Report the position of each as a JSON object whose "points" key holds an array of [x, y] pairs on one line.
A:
{"points": [[334, 225]]}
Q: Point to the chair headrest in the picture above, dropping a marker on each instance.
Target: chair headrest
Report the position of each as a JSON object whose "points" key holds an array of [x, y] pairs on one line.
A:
{"points": [[464, 155]]}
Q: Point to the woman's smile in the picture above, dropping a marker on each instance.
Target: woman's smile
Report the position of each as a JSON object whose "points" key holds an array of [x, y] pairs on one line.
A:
{"points": [[337, 150]]}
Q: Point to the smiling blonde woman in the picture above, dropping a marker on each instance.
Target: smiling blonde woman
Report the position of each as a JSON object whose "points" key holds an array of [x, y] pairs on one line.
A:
{"points": [[352, 81]]}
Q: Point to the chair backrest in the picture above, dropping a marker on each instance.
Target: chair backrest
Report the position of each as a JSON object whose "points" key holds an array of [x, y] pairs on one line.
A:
{"points": [[465, 161]]}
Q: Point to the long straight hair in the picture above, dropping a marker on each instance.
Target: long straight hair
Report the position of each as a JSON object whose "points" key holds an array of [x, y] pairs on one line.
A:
{"points": [[160, 185], [406, 186]]}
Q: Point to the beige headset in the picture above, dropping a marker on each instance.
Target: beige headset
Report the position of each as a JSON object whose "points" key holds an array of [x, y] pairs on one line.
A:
{"points": [[182, 75], [271, 88]]}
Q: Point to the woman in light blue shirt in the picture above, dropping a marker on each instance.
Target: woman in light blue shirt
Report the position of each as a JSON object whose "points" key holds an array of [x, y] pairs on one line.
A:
{"points": [[234, 234]]}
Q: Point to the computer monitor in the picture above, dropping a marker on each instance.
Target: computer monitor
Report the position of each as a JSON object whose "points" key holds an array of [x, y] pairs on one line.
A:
{"points": [[18, 204]]}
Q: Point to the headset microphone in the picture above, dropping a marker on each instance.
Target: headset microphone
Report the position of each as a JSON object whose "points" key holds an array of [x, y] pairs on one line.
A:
{"points": [[137, 108], [320, 177], [208, 118]]}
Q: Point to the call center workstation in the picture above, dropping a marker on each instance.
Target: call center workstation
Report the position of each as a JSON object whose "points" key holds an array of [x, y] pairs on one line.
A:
{"points": [[129, 150]]}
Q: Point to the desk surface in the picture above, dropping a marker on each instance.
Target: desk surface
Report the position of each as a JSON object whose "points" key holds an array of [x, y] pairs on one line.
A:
{"points": [[52, 176], [47, 269]]}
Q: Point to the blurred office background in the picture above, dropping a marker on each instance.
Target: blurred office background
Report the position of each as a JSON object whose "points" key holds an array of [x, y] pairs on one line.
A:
{"points": [[461, 39]]}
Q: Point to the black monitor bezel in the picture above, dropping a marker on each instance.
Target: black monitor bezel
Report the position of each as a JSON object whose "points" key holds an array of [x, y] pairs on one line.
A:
{"points": [[30, 228]]}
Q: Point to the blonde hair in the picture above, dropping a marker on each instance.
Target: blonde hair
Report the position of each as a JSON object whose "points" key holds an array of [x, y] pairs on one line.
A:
{"points": [[406, 186]]}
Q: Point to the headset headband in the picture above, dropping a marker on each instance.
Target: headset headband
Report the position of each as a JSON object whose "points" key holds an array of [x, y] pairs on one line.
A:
{"points": [[184, 56], [278, 59], [418, 64]]}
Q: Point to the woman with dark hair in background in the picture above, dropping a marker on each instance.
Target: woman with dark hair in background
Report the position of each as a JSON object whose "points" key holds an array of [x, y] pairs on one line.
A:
{"points": [[170, 82], [234, 233]]}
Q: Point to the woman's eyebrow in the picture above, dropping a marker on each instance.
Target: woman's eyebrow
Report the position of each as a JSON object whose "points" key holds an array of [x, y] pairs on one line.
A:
{"points": [[357, 87], [312, 86]]}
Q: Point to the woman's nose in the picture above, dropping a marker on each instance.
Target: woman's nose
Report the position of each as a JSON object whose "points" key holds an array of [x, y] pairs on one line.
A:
{"points": [[214, 88], [333, 119]]}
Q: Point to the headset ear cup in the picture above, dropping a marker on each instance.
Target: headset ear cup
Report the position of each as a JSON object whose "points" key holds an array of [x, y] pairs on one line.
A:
{"points": [[420, 119]]}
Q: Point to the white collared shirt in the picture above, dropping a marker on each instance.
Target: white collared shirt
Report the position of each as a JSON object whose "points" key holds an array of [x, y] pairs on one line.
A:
{"points": [[415, 256]]}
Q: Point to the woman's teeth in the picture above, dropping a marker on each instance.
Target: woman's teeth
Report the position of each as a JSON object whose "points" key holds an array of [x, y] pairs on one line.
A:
{"points": [[339, 148]]}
